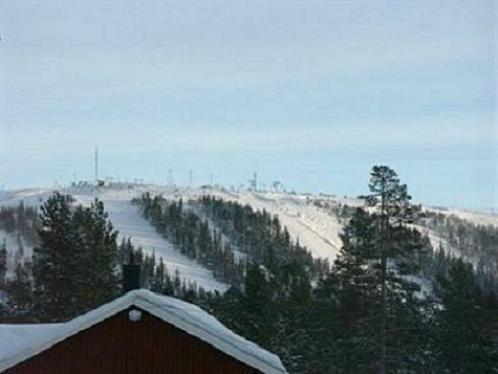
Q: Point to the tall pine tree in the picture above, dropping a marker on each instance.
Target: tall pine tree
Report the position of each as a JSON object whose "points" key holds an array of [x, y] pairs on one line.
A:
{"points": [[390, 202]]}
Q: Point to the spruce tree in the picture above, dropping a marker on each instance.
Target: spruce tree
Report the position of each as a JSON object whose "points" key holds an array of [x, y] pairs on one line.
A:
{"points": [[3, 263], [96, 281], [20, 290], [160, 274], [257, 306], [74, 266], [464, 345], [356, 295], [54, 261]]}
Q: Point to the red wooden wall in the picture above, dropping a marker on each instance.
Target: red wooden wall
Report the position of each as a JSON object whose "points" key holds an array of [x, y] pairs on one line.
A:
{"points": [[118, 345]]}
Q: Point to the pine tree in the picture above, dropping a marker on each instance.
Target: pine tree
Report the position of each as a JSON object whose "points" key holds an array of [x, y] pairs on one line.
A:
{"points": [[392, 209]]}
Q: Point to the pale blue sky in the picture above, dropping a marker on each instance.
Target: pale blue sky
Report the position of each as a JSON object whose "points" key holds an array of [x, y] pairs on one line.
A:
{"points": [[309, 92]]}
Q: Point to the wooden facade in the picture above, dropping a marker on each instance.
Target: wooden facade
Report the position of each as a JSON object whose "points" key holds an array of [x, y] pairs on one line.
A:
{"points": [[118, 345]]}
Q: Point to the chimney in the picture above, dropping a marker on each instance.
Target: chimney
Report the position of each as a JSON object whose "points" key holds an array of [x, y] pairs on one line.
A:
{"points": [[131, 276]]}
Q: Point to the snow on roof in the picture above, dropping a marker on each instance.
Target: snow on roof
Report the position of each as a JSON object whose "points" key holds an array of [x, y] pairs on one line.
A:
{"points": [[26, 341], [15, 338]]}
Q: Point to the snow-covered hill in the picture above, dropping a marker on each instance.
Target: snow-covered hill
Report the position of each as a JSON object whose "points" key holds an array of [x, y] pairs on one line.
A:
{"points": [[315, 226]]}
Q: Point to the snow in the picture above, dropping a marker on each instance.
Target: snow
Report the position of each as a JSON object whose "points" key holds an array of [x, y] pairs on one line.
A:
{"points": [[185, 316], [15, 338]]}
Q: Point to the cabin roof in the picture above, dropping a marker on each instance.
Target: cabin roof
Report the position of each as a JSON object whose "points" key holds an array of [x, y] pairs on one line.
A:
{"points": [[25, 341]]}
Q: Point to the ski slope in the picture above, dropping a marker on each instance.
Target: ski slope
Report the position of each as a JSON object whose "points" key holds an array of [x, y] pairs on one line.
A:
{"points": [[312, 226], [315, 227], [127, 219]]}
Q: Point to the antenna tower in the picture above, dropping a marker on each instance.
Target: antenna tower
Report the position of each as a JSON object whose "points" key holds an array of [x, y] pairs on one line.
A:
{"points": [[96, 166]]}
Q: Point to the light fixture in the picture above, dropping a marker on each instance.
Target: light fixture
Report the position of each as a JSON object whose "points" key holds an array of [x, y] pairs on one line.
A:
{"points": [[134, 315]]}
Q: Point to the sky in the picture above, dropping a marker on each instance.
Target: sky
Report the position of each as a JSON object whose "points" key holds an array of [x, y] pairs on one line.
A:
{"points": [[311, 93]]}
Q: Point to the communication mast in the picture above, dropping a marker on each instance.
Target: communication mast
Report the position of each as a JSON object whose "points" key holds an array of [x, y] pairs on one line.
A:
{"points": [[253, 183], [96, 166], [170, 177]]}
